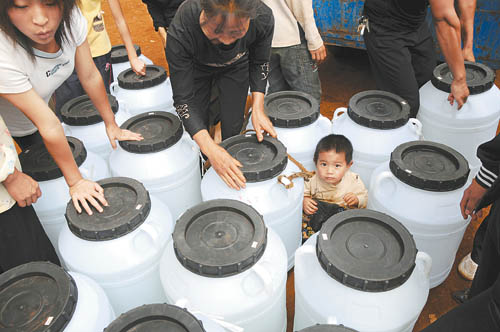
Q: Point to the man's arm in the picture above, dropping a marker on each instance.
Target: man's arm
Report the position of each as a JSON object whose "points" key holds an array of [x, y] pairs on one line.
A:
{"points": [[467, 9]]}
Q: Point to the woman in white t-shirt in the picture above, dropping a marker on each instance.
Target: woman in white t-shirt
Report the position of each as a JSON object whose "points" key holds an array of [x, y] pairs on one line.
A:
{"points": [[41, 41]]}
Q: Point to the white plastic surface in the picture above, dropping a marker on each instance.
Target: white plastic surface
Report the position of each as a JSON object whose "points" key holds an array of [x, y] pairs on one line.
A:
{"points": [[172, 175], [93, 311], [465, 129], [372, 146], [320, 299], [51, 206], [433, 218], [280, 207], [156, 98], [121, 66], [301, 142], [126, 267], [94, 136], [253, 299]]}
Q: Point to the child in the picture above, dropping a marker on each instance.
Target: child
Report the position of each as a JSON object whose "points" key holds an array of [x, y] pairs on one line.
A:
{"points": [[334, 187]]}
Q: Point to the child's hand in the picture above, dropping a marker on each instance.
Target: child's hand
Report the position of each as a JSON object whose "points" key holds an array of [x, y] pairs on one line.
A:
{"points": [[310, 206], [351, 200]]}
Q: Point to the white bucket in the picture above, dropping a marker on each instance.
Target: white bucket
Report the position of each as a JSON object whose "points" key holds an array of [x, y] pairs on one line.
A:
{"points": [[375, 123], [327, 328], [149, 93], [41, 294], [82, 120], [121, 247], [465, 129], [263, 163], [422, 187], [230, 267], [298, 123], [119, 59], [376, 282], [50, 207], [166, 161], [163, 317]]}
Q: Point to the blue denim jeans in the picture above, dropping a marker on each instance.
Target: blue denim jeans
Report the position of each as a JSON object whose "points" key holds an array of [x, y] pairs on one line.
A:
{"points": [[292, 68]]}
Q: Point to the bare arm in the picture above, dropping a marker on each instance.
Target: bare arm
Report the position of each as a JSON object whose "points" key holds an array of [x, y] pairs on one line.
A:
{"points": [[138, 66], [467, 9], [448, 34]]}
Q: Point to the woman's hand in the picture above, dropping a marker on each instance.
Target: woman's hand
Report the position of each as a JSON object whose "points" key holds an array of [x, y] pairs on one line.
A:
{"points": [[22, 188], [138, 66], [116, 133], [226, 167], [310, 206], [261, 122], [86, 190]]}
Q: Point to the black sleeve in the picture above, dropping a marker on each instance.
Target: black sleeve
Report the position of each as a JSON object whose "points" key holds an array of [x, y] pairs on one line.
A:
{"points": [[260, 52], [489, 154], [171, 10], [180, 64], [156, 11]]}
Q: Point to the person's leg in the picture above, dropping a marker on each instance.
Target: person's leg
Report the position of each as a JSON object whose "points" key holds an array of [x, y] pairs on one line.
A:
{"points": [[391, 64], [233, 92], [423, 55], [477, 245], [300, 71], [103, 64], [275, 79], [22, 239]]}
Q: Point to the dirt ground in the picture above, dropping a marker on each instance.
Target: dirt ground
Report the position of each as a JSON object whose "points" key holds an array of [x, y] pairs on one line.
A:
{"points": [[345, 73]]}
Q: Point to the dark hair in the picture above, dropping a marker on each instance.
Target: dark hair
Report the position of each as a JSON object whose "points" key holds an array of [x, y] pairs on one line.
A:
{"points": [[338, 143], [18, 37], [240, 8]]}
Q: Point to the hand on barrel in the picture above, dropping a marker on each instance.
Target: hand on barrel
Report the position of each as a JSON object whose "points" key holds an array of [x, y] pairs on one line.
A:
{"points": [[261, 122], [459, 93], [116, 133], [138, 66], [85, 191], [22, 188], [227, 167], [471, 197]]}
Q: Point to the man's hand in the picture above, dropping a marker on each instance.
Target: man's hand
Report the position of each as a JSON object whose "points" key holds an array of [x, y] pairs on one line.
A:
{"points": [[471, 197], [459, 92], [22, 188], [310, 206], [319, 55]]}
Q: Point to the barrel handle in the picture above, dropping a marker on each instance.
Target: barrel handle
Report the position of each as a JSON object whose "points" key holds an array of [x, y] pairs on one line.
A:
{"points": [[426, 262], [325, 124], [266, 278], [416, 126], [152, 232], [375, 183], [337, 112], [112, 87]]}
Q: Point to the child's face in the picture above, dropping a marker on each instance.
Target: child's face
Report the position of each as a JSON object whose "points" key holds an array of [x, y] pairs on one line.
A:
{"points": [[332, 166]]}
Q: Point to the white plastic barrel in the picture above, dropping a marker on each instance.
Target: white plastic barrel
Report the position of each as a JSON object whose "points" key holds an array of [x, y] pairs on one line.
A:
{"points": [[41, 296], [375, 123], [422, 186], [263, 163], [224, 262], [465, 129], [166, 161], [121, 247], [119, 59], [296, 118], [50, 207], [361, 270], [152, 92], [327, 328], [82, 120], [162, 317]]}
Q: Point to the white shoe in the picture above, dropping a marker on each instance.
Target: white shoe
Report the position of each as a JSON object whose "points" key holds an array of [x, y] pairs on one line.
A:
{"points": [[467, 267]]}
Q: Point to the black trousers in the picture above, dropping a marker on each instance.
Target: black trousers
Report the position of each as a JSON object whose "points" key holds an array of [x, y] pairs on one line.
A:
{"points": [[401, 62], [25, 142], [477, 245], [482, 312], [22, 239]]}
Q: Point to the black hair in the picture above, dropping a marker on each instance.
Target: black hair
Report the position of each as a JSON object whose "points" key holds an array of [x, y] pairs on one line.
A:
{"points": [[338, 143], [19, 38], [240, 8]]}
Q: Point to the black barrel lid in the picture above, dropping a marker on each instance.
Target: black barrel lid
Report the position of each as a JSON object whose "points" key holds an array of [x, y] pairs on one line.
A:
{"points": [[39, 164], [119, 53], [327, 328], [80, 111], [156, 318], [160, 130], [261, 161], [429, 166], [291, 109], [366, 250], [479, 77], [129, 206], [378, 110], [36, 297], [155, 75], [219, 238]]}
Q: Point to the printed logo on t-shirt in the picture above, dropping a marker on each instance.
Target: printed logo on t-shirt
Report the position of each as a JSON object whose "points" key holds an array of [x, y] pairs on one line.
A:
{"points": [[98, 23], [230, 62], [55, 69]]}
